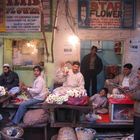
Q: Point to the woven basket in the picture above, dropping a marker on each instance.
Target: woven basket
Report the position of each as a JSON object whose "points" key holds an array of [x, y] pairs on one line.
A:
{"points": [[66, 133], [54, 137], [17, 136], [85, 133]]}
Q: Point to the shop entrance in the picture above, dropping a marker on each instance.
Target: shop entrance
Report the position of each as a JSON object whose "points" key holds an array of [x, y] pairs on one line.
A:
{"points": [[111, 53]]}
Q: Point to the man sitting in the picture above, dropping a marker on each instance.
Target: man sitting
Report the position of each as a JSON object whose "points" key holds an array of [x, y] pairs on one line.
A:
{"points": [[123, 82], [9, 80], [73, 79], [73, 86]]}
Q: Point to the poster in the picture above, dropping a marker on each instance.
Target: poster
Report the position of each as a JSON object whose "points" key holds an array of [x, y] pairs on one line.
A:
{"points": [[106, 14]]}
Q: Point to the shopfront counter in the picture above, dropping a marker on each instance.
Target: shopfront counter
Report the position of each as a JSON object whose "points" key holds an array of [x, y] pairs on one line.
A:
{"points": [[70, 115], [73, 117]]}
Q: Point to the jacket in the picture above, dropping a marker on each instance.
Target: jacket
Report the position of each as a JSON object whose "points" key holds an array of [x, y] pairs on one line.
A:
{"points": [[98, 65], [9, 80]]}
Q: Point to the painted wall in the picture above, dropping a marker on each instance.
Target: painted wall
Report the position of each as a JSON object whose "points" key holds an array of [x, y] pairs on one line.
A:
{"points": [[64, 31], [25, 75]]}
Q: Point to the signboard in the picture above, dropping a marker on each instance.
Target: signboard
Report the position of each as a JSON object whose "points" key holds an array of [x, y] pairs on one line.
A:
{"points": [[23, 16], [2, 16], [106, 14]]}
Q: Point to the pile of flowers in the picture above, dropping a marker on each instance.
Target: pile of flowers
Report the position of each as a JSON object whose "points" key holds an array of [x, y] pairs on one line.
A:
{"points": [[2, 91], [56, 98], [76, 92], [117, 96], [60, 98]]}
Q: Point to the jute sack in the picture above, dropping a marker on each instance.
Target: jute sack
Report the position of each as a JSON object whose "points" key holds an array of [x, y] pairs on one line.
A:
{"points": [[85, 133], [35, 116], [66, 133]]}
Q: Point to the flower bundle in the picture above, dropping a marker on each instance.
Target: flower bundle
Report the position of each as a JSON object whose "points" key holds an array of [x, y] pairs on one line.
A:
{"points": [[76, 92], [56, 98], [60, 98]]}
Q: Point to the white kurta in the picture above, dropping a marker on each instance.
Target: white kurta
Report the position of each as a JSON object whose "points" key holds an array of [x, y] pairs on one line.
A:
{"points": [[72, 81]]}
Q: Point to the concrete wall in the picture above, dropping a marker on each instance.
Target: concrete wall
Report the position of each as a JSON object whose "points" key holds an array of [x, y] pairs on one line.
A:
{"points": [[63, 32]]}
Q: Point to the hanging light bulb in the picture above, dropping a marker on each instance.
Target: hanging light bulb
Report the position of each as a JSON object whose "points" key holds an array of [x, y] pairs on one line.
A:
{"points": [[73, 39]]}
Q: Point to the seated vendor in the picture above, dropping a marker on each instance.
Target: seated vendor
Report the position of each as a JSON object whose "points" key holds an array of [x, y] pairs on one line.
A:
{"points": [[37, 94], [73, 84], [125, 81], [9, 80]]}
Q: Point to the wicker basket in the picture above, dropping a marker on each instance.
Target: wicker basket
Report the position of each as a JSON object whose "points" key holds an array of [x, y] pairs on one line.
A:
{"points": [[54, 137], [7, 133], [66, 133], [85, 133]]}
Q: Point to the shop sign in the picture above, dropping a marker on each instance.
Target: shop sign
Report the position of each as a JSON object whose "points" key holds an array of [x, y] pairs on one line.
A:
{"points": [[106, 14], [23, 16]]}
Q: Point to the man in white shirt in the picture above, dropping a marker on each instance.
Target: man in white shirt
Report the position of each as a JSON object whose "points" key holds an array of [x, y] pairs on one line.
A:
{"points": [[73, 79], [37, 92], [123, 82]]}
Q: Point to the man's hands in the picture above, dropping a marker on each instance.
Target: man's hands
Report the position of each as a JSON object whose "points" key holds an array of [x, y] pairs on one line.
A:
{"points": [[23, 87]]}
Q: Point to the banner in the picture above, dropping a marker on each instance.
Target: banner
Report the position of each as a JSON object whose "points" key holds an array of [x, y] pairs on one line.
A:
{"points": [[2, 16], [23, 16], [106, 14]]}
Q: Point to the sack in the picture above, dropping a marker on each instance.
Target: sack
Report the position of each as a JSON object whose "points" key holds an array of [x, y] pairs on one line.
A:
{"points": [[35, 116], [78, 100], [66, 133], [85, 133]]}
